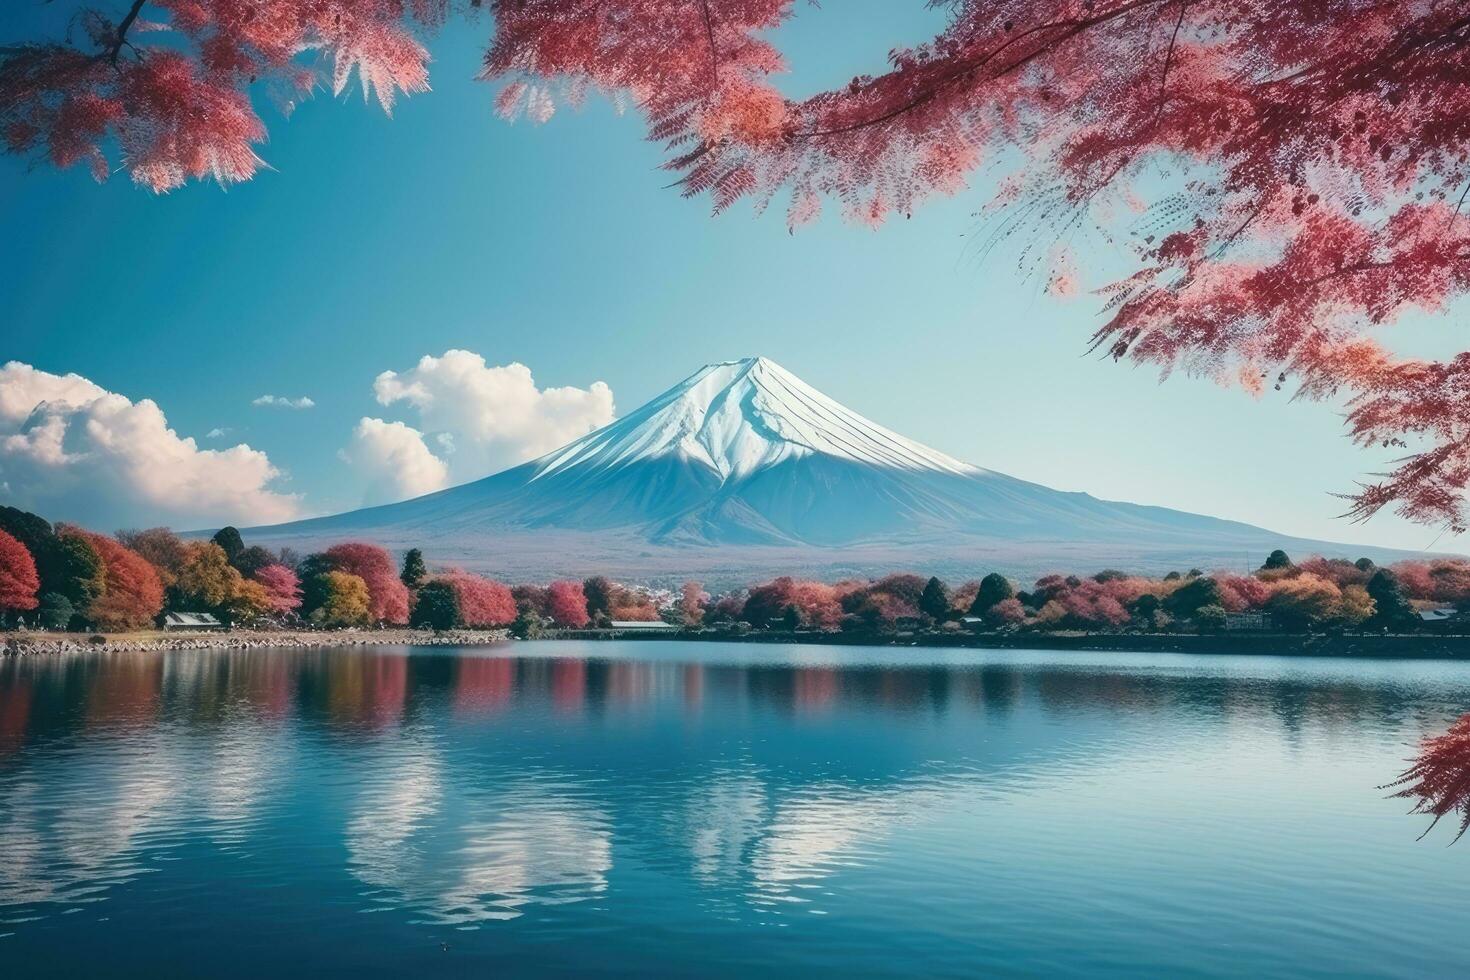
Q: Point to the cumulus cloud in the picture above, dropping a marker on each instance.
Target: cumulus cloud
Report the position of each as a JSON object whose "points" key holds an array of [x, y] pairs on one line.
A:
{"points": [[395, 461], [485, 418], [281, 401], [71, 449]]}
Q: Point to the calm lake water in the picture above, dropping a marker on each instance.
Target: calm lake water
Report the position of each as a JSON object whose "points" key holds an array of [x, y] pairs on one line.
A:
{"points": [[693, 809]]}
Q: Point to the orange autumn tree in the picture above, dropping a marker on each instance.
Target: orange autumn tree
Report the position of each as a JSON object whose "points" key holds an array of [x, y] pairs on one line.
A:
{"points": [[134, 593], [1307, 161]]}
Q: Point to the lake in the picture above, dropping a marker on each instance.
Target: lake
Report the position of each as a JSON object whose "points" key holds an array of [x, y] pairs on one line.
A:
{"points": [[713, 810]]}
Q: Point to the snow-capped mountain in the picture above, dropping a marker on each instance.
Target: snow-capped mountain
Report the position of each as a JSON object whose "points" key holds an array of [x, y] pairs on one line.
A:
{"points": [[743, 469]]}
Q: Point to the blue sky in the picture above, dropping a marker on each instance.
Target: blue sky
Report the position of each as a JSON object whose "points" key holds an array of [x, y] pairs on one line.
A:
{"points": [[373, 242]]}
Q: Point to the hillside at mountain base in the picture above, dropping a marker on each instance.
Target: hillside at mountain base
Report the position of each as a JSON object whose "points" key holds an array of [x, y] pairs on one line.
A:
{"points": [[743, 470]]}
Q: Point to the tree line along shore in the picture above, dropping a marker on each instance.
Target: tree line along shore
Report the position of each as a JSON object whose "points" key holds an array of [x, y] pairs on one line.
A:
{"points": [[65, 579]]}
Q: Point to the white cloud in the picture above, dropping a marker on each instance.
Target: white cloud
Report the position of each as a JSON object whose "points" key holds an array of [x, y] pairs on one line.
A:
{"points": [[395, 461], [216, 433], [489, 418], [70, 449], [281, 401]]}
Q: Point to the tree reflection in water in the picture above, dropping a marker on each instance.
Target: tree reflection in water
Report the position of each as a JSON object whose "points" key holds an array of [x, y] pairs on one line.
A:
{"points": [[1439, 781]]}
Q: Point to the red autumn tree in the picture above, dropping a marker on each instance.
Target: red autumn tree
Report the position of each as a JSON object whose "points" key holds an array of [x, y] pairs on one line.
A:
{"points": [[18, 580], [566, 603], [134, 593], [1439, 780], [482, 601], [1308, 160], [388, 596], [282, 588]]}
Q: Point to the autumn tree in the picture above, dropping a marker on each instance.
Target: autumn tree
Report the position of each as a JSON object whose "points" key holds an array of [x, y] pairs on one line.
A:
{"points": [[481, 602], [160, 547], [133, 593], [372, 564], [348, 601], [282, 588], [206, 579], [692, 599], [567, 604], [1439, 780], [39, 539], [19, 582]]}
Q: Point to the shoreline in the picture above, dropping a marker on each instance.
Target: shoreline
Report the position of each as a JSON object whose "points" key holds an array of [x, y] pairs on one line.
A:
{"points": [[40, 644], [1403, 646]]}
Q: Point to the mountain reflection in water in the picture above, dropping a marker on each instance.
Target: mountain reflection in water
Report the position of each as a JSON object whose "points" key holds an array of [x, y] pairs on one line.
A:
{"points": [[682, 798]]}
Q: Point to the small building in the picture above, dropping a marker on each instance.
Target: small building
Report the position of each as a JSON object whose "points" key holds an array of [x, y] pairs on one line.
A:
{"points": [[191, 621], [1437, 615], [656, 625]]}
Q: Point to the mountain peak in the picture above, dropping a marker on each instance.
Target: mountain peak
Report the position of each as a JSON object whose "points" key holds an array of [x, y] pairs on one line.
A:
{"points": [[739, 417]]}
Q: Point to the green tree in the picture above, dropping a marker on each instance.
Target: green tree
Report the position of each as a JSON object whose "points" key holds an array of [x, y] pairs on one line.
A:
{"points": [[312, 571], [230, 542], [1276, 560], [527, 625], [40, 540], [83, 575], [436, 607], [1186, 600], [252, 559], [55, 611], [599, 592], [1365, 564], [934, 602], [1144, 607], [1210, 618], [414, 571], [1390, 608], [994, 588]]}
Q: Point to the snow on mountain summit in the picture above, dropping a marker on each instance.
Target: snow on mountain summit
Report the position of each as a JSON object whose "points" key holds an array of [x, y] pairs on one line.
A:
{"points": [[737, 418]]}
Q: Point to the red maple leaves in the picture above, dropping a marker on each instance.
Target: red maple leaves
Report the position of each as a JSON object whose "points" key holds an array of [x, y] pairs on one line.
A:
{"points": [[1307, 162]]}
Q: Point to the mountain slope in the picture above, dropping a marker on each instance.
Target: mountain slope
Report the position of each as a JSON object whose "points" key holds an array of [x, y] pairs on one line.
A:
{"points": [[743, 469]]}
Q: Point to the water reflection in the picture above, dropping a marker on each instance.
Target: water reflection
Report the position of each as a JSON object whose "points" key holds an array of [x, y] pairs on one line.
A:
{"points": [[467, 789]]}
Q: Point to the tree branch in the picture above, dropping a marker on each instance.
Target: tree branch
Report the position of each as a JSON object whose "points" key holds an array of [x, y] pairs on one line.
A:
{"points": [[122, 31]]}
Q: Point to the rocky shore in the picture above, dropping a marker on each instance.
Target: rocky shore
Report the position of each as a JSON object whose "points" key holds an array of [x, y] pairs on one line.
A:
{"points": [[17, 644]]}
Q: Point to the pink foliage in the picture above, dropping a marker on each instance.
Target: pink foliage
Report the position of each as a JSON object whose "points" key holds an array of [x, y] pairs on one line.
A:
{"points": [[482, 601], [1242, 593], [387, 595], [1007, 611], [567, 604], [282, 587]]}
